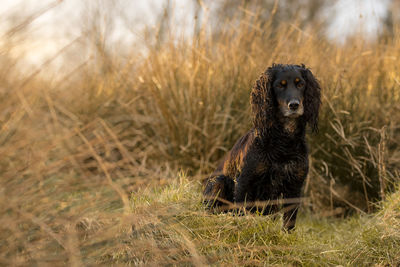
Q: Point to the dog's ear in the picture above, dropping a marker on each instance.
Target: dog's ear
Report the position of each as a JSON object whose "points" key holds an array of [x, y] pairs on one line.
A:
{"points": [[312, 98], [261, 101]]}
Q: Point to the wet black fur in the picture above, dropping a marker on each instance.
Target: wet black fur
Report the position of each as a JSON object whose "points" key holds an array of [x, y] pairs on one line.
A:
{"points": [[268, 162]]}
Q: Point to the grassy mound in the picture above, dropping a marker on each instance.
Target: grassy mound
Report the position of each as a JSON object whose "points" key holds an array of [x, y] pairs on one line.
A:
{"points": [[179, 222], [168, 225]]}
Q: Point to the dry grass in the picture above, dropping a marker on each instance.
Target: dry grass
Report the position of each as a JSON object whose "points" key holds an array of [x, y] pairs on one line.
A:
{"points": [[73, 148]]}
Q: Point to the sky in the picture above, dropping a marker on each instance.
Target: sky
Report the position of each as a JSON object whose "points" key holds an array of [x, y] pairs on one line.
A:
{"points": [[357, 16], [61, 24]]}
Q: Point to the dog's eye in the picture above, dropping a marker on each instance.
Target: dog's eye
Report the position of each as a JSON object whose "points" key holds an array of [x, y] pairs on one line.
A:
{"points": [[298, 82], [283, 82]]}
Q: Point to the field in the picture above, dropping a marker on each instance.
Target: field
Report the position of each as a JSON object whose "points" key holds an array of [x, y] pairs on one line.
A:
{"points": [[102, 164]]}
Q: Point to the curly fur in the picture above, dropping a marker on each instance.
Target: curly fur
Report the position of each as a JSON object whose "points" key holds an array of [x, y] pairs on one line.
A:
{"points": [[269, 162]]}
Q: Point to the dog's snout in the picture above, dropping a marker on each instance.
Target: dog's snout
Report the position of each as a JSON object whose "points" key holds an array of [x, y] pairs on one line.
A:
{"points": [[294, 105]]}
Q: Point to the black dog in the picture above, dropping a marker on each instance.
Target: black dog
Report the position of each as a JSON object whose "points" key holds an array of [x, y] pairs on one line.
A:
{"points": [[270, 162]]}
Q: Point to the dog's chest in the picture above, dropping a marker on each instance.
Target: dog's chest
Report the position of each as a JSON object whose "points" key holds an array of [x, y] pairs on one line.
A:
{"points": [[281, 171], [271, 182]]}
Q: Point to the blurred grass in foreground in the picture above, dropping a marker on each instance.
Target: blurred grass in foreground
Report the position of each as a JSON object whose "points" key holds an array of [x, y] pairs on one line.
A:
{"points": [[74, 147]]}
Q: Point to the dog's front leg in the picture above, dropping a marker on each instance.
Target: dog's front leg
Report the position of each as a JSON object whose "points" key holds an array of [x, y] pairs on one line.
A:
{"points": [[289, 216], [241, 189], [244, 182], [291, 206]]}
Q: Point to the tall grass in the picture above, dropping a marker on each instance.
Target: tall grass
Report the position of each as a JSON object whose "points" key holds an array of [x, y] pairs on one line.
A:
{"points": [[194, 99], [73, 148]]}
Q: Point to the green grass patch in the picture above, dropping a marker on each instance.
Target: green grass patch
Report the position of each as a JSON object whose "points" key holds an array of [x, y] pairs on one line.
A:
{"points": [[177, 229]]}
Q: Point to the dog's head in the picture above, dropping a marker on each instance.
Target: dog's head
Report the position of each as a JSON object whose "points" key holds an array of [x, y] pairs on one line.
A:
{"points": [[289, 91]]}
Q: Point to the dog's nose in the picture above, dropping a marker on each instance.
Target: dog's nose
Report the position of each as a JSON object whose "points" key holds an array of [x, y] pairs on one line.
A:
{"points": [[294, 104]]}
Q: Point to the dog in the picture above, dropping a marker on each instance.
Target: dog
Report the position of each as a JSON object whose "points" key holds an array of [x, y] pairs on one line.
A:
{"points": [[269, 164]]}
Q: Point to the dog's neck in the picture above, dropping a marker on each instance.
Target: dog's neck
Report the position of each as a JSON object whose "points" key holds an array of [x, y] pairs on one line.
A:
{"points": [[283, 128], [290, 125]]}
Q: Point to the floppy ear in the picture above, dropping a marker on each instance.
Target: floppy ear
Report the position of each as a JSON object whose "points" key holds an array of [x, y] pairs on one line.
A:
{"points": [[312, 99], [262, 101]]}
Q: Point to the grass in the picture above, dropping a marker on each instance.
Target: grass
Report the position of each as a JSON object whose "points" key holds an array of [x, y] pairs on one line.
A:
{"points": [[170, 226], [92, 159], [258, 240]]}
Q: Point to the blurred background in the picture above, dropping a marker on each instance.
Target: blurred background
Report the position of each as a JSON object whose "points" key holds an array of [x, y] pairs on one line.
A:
{"points": [[103, 100], [53, 24]]}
